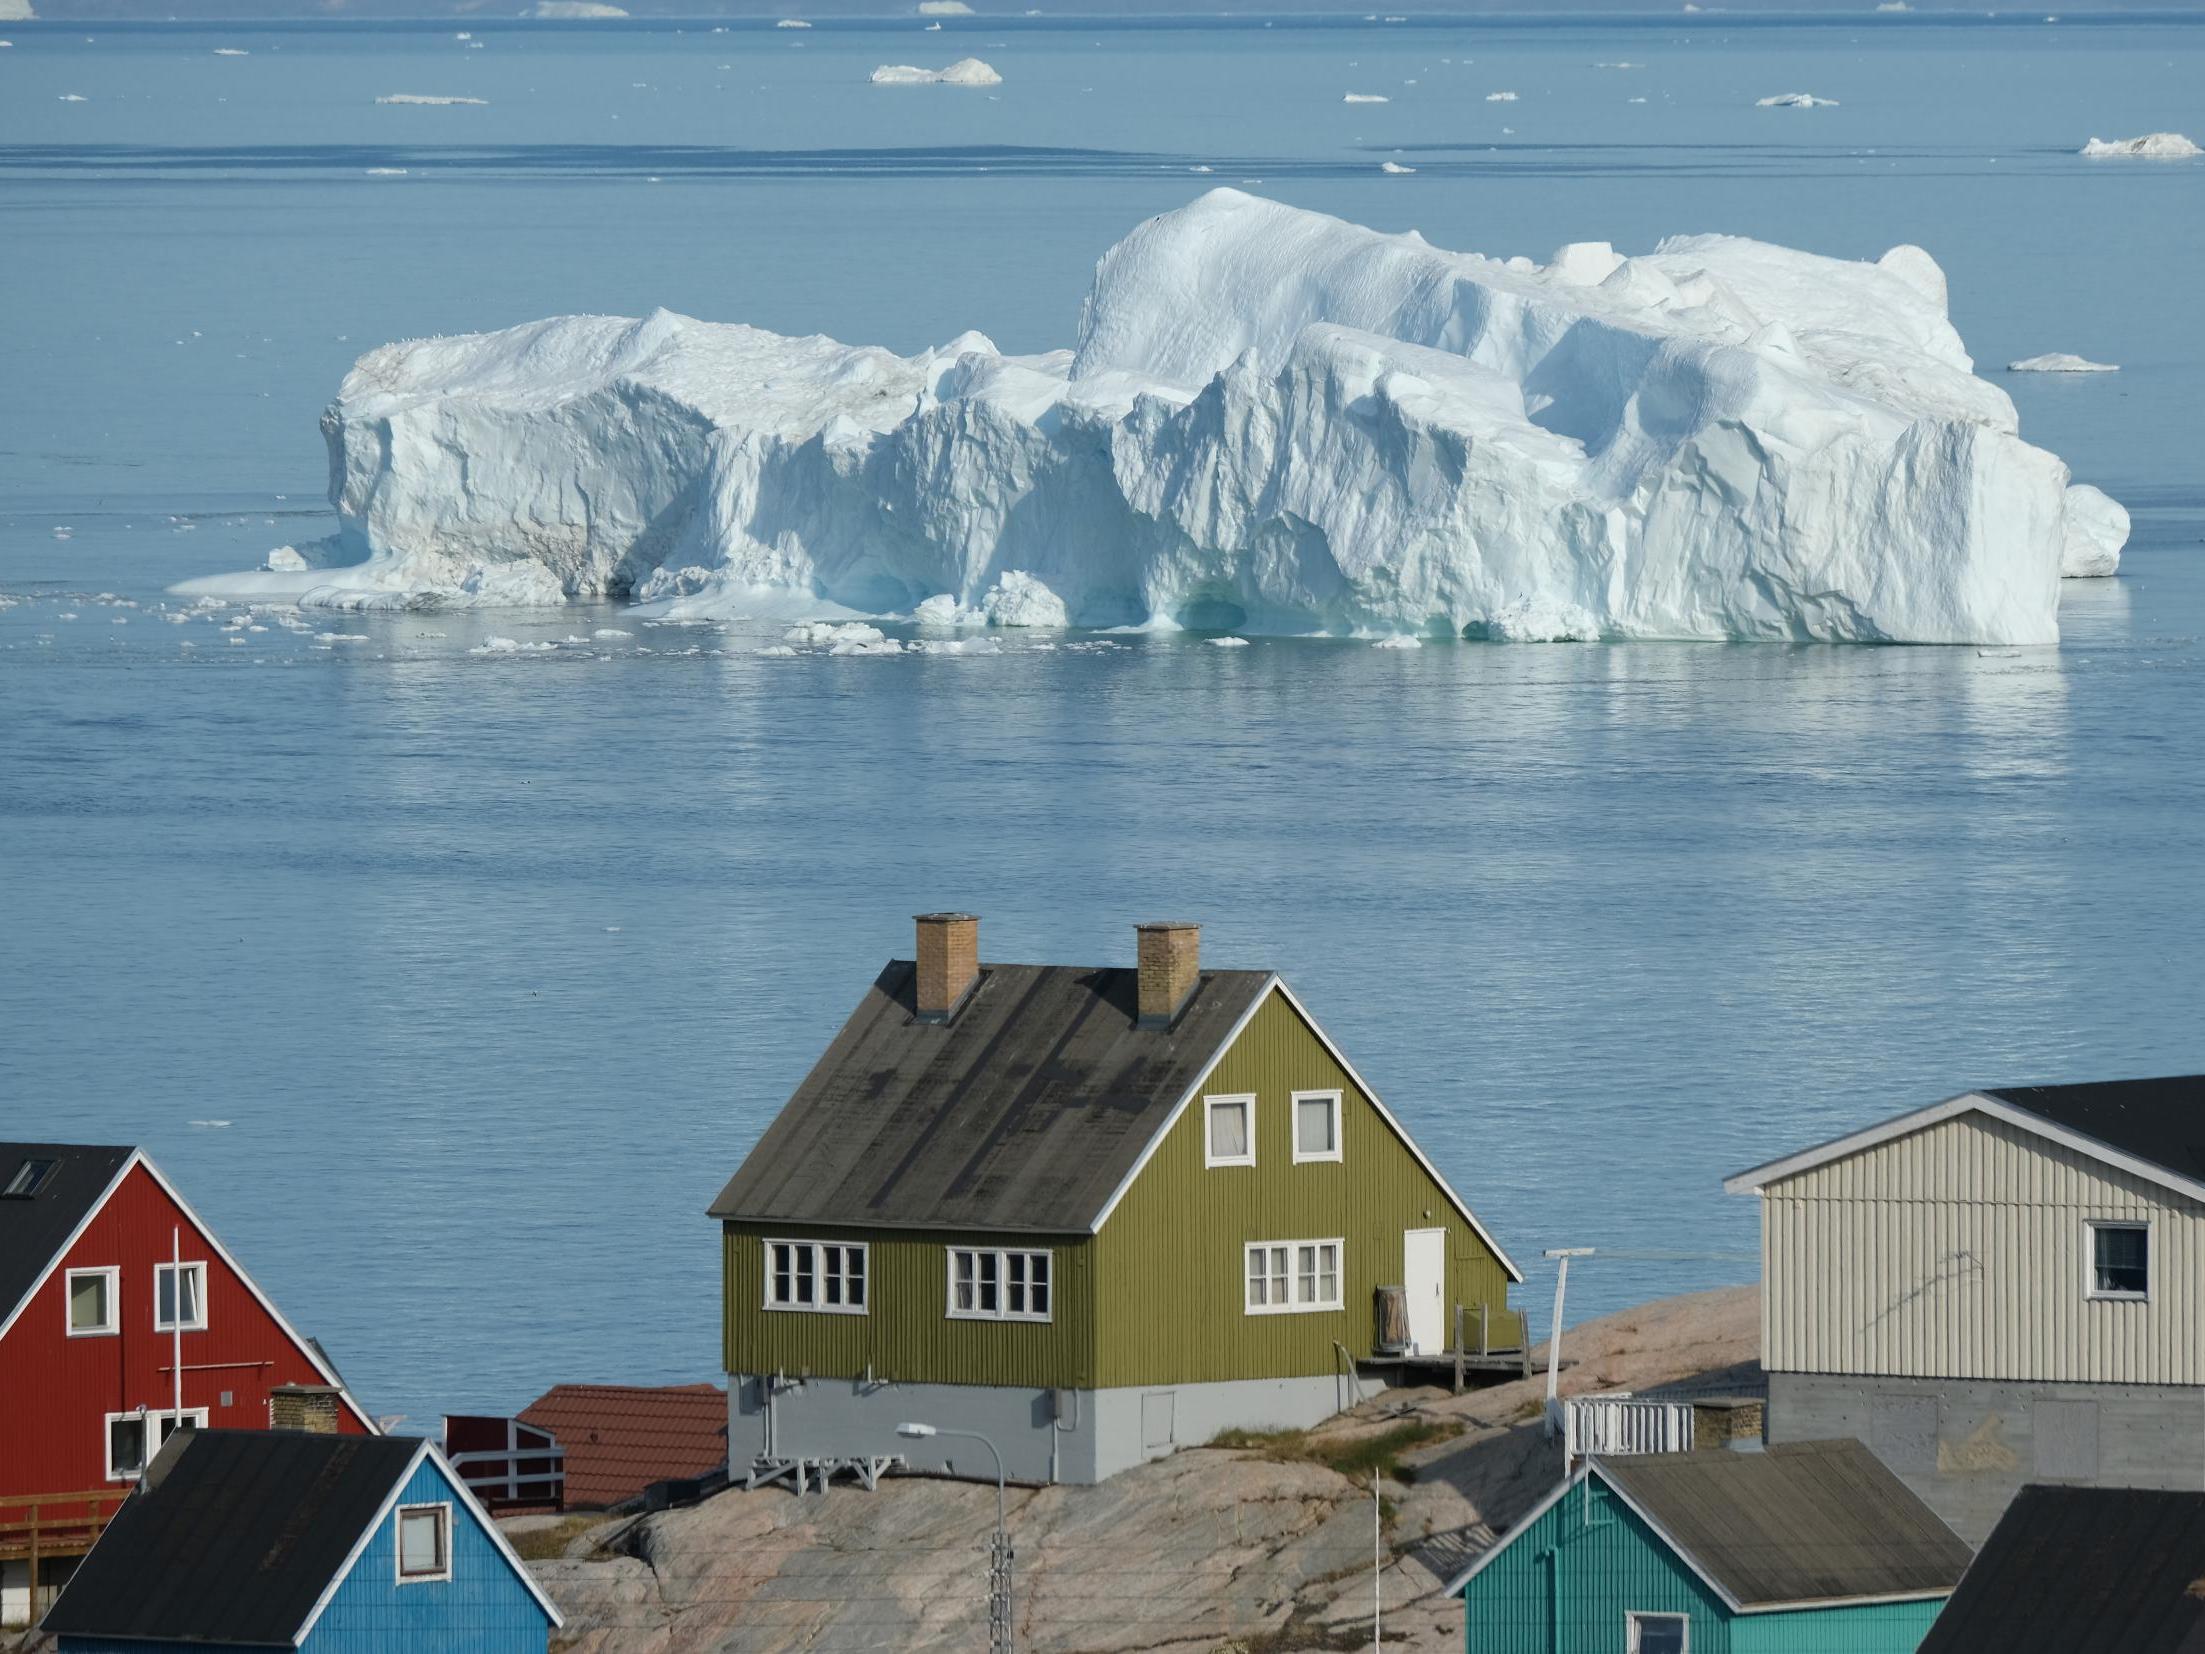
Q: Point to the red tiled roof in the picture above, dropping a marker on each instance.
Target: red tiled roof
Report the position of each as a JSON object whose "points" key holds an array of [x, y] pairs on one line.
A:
{"points": [[620, 1438]]}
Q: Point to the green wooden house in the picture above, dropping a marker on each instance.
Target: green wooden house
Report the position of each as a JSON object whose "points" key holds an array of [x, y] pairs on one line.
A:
{"points": [[1093, 1214], [1812, 1548]]}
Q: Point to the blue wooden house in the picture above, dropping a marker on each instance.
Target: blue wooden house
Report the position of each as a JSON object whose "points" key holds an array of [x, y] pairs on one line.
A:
{"points": [[256, 1539], [1813, 1548]]}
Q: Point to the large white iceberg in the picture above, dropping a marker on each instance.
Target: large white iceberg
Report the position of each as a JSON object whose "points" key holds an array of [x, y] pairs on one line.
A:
{"points": [[1273, 421], [2152, 146]]}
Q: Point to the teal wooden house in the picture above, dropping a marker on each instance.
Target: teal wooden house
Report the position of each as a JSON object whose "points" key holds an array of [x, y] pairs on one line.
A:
{"points": [[1813, 1548], [260, 1539]]}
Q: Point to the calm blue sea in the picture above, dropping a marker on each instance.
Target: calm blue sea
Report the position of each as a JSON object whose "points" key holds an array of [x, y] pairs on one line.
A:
{"points": [[452, 985]]}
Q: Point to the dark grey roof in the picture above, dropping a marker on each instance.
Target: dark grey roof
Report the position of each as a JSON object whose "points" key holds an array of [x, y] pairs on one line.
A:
{"points": [[2083, 1570], [33, 1228], [237, 1542], [2161, 1120], [1025, 1111], [1802, 1522]]}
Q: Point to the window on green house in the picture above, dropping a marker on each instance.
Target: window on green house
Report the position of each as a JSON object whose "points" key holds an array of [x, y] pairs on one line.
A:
{"points": [[829, 1276], [990, 1285], [1286, 1276], [1229, 1131], [1659, 1634], [1316, 1125]]}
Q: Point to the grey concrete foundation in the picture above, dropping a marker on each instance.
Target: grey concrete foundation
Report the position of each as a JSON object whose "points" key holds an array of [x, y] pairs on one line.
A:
{"points": [[1968, 1445], [1044, 1435]]}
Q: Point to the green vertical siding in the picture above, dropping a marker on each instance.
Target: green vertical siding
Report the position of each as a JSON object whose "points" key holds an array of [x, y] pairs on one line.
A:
{"points": [[1168, 1279], [906, 1334], [1872, 1628], [1591, 1556]]}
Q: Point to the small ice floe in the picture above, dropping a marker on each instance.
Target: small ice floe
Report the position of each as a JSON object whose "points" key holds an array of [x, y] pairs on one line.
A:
{"points": [[231, 51], [956, 646], [1226, 642], [509, 646], [774, 649], [934, 28], [2152, 146], [1619, 66], [607, 633], [966, 71], [431, 100], [1396, 168], [1500, 97], [1201, 169], [792, 23], [464, 34], [851, 637], [386, 172], [2060, 361], [1795, 100], [574, 10], [327, 639], [944, 8], [212, 1125], [1366, 97], [1399, 643], [612, 930], [1894, 6], [73, 97]]}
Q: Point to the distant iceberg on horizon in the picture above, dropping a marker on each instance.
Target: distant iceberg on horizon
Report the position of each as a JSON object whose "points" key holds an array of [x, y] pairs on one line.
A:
{"points": [[1273, 421]]}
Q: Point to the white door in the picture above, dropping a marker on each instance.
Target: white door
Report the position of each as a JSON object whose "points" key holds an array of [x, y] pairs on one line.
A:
{"points": [[1424, 1275]]}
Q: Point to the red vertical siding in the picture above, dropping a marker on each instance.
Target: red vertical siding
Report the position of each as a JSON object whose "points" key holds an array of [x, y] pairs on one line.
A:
{"points": [[55, 1391]]}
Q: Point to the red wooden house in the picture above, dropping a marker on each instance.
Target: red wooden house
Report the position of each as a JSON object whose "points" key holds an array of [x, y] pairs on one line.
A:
{"points": [[118, 1306]]}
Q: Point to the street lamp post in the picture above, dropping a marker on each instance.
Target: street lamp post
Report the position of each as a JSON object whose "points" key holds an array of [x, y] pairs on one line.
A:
{"points": [[999, 1554]]}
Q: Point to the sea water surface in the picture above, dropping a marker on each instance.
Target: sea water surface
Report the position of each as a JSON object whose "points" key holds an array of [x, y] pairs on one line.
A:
{"points": [[451, 978]]}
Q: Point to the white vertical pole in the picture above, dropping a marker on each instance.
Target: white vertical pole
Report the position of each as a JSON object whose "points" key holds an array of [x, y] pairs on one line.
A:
{"points": [[1377, 1564], [176, 1323], [1554, 1332]]}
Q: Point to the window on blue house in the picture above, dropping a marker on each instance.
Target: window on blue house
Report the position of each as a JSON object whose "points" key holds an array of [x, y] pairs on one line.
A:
{"points": [[1659, 1634], [424, 1543]]}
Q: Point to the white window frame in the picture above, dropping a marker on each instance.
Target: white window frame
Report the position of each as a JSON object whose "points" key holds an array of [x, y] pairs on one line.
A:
{"points": [[1333, 1153], [69, 1279], [188, 1266], [1296, 1304], [1002, 1256], [154, 1442], [443, 1513], [819, 1274], [1246, 1102], [1633, 1617], [2091, 1226]]}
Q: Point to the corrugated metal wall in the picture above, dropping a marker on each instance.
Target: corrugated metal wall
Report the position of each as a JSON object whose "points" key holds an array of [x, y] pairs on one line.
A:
{"points": [[1959, 1251], [1595, 1561], [1873, 1628], [906, 1333], [1169, 1304]]}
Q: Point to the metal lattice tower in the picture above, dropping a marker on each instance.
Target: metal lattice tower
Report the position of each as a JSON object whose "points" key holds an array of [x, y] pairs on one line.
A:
{"points": [[999, 1594]]}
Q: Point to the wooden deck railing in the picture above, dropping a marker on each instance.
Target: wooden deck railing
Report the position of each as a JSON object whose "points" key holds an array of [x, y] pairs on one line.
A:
{"points": [[36, 1526]]}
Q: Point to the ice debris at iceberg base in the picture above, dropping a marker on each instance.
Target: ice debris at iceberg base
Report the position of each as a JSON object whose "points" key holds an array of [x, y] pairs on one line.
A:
{"points": [[2060, 361], [1273, 422], [966, 71], [2152, 146], [1795, 100]]}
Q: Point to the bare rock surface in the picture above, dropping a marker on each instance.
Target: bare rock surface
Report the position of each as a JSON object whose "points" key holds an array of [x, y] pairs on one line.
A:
{"points": [[1209, 1549]]}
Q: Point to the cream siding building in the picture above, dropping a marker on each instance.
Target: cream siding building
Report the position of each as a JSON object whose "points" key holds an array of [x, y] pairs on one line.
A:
{"points": [[2003, 1288]]}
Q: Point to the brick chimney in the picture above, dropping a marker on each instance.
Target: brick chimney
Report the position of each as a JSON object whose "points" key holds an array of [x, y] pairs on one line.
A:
{"points": [[949, 962], [311, 1408], [1171, 964]]}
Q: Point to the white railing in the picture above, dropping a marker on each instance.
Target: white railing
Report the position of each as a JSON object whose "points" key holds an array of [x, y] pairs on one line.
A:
{"points": [[1621, 1423], [495, 1474]]}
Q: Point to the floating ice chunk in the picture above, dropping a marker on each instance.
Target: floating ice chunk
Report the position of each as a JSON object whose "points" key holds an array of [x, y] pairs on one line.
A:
{"points": [[792, 23], [211, 1125], [842, 638], [1400, 640], [1619, 65], [609, 633], [1324, 427], [72, 97], [774, 649], [957, 646], [1500, 97], [386, 172], [1226, 642], [2152, 146], [2060, 361], [2097, 529], [1366, 97], [509, 646], [1795, 100], [325, 639], [573, 10], [1396, 168], [966, 71], [285, 559], [231, 51], [944, 8], [1893, 5], [431, 100]]}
